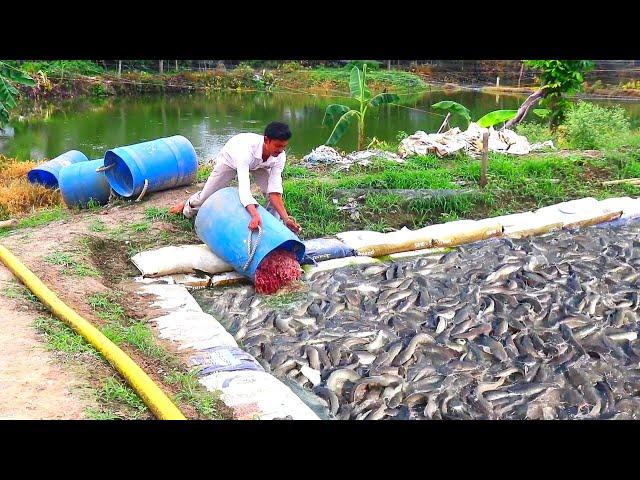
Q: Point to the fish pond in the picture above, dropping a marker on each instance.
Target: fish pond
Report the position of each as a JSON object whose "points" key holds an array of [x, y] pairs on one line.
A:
{"points": [[96, 125]]}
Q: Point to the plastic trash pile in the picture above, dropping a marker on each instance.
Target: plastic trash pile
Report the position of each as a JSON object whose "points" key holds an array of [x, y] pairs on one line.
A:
{"points": [[324, 155], [469, 141]]}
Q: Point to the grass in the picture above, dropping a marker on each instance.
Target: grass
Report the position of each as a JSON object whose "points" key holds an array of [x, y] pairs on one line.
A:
{"points": [[62, 338], [191, 392], [43, 217], [203, 173], [162, 214], [338, 78], [97, 225], [105, 307], [116, 400], [122, 330], [140, 226], [101, 414], [115, 392], [19, 292], [515, 184], [70, 265]]}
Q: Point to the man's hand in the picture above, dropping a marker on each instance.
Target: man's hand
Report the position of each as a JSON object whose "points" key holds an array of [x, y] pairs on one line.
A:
{"points": [[256, 221], [292, 225]]}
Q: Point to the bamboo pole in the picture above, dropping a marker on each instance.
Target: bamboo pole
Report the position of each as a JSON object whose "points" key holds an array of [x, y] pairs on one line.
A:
{"points": [[625, 180]]}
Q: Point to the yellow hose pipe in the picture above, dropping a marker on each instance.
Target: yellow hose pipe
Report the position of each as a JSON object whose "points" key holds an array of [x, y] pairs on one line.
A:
{"points": [[151, 394]]}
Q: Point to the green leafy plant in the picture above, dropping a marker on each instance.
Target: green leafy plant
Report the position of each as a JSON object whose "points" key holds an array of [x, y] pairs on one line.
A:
{"points": [[9, 76], [535, 132], [589, 126], [561, 77], [345, 115], [488, 120], [455, 109]]}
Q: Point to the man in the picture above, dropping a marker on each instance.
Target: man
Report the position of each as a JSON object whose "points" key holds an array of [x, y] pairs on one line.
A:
{"points": [[264, 157]]}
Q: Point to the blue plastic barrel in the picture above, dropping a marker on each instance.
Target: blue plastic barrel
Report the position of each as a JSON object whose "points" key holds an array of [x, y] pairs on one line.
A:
{"points": [[223, 224], [79, 183], [164, 163], [48, 172]]}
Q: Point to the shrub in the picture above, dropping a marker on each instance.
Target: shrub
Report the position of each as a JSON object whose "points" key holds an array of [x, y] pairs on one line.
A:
{"points": [[371, 64], [589, 126], [534, 132], [290, 66], [98, 90]]}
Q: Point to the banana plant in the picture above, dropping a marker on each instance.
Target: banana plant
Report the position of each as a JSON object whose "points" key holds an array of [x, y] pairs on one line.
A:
{"points": [[8, 76], [488, 120], [346, 116]]}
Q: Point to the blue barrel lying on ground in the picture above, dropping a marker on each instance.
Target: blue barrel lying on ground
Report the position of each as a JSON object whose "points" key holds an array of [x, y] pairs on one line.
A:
{"points": [[80, 183], [48, 173], [162, 163], [222, 223]]}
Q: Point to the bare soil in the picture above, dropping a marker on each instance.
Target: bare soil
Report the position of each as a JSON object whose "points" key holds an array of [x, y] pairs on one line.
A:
{"points": [[31, 384]]}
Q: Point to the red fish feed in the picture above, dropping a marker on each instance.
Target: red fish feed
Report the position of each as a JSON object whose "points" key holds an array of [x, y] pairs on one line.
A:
{"points": [[276, 270]]}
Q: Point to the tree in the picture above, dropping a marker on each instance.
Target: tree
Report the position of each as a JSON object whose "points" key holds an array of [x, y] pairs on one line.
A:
{"points": [[358, 89], [10, 75], [560, 77]]}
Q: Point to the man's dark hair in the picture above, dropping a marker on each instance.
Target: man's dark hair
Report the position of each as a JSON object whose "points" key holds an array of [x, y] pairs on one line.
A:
{"points": [[277, 131]]}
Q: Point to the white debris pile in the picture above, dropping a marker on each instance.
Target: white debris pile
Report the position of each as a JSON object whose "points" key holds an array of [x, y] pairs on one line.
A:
{"points": [[470, 141], [324, 155]]}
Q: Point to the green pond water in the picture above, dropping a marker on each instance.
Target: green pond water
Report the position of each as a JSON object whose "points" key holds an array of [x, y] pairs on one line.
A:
{"points": [[94, 126]]}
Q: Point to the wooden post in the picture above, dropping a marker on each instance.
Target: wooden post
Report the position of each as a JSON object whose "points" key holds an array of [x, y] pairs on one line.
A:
{"points": [[520, 77], [119, 68], [9, 223], [176, 65], [485, 159], [446, 119], [161, 66]]}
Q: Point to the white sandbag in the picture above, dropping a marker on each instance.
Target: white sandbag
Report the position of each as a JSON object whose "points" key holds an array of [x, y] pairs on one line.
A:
{"points": [[529, 224], [223, 359], [630, 206], [572, 207], [515, 219], [182, 259], [172, 297], [416, 253], [459, 232], [311, 270], [228, 278], [257, 395], [575, 213], [188, 280], [194, 327], [361, 238]]}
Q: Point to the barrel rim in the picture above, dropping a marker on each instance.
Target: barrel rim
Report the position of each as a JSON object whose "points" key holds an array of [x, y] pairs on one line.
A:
{"points": [[122, 166], [43, 177]]}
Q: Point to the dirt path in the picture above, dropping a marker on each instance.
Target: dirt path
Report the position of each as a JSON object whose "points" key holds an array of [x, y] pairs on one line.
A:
{"points": [[33, 385]]}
